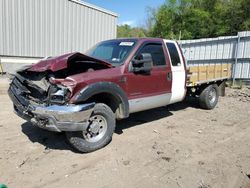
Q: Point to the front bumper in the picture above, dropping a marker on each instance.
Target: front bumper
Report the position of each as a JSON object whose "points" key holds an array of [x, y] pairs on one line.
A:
{"points": [[54, 118]]}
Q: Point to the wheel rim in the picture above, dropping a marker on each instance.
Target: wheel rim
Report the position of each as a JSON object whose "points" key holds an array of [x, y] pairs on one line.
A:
{"points": [[96, 129], [212, 96]]}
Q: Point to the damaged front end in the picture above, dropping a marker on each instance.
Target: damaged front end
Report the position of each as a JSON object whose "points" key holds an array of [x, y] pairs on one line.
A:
{"points": [[39, 96]]}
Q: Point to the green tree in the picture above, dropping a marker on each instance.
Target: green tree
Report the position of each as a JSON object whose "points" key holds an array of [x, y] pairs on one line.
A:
{"points": [[124, 31], [200, 18]]}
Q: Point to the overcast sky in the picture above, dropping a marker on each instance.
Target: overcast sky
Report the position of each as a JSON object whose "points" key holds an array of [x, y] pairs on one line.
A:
{"points": [[131, 12]]}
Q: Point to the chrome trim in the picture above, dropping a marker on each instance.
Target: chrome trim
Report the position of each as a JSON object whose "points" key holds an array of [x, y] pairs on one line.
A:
{"points": [[70, 113], [60, 92], [55, 117], [53, 125]]}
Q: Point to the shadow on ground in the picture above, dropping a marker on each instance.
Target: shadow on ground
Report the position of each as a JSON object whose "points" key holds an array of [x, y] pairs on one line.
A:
{"points": [[154, 114], [50, 140], [141, 118], [57, 141]]}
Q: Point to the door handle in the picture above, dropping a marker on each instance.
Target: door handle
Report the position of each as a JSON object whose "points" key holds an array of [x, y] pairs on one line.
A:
{"points": [[169, 76]]}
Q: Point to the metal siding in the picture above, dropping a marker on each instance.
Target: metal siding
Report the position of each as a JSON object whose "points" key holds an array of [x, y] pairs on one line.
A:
{"points": [[84, 30], [88, 26], [81, 25], [1, 26], [42, 28], [91, 26], [5, 26], [25, 40], [247, 49], [220, 50], [64, 32]]}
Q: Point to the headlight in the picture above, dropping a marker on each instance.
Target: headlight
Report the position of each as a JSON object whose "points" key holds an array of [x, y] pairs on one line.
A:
{"points": [[61, 96]]}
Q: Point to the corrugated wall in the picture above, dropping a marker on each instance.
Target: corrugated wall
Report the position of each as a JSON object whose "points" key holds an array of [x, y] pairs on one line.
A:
{"points": [[232, 49], [39, 28]]}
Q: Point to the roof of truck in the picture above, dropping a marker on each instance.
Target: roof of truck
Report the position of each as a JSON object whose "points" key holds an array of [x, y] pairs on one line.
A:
{"points": [[143, 38]]}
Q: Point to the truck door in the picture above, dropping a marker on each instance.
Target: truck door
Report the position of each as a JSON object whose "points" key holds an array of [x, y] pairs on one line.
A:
{"points": [[178, 72], [152, 90]]}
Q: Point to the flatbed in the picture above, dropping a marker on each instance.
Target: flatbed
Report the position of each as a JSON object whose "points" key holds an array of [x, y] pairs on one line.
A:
{"points": [[204, 74]]}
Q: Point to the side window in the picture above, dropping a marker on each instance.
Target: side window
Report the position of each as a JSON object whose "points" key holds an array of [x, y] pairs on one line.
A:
{"points": [[174, 55], [156, 52]]}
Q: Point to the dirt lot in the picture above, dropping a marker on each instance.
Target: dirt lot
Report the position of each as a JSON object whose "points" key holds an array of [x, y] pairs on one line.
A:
{"points": [[176, 146]]}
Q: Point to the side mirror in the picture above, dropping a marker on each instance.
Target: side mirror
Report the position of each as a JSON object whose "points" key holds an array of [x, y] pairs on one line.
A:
{"points": [[142, 63]]}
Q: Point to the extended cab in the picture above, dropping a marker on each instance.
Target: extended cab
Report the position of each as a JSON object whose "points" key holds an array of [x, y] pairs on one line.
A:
{"points": [[84, 94]]}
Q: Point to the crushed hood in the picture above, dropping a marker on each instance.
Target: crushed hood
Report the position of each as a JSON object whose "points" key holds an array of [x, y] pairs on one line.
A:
{"points": [[61, 62]]}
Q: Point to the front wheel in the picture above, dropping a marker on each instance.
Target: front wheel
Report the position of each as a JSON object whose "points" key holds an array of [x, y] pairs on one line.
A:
{"points": [[209, 97], [99, 133]]}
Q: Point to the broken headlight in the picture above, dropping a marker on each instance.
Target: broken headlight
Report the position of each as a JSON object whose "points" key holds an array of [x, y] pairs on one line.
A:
{"points": [[59, 95]]}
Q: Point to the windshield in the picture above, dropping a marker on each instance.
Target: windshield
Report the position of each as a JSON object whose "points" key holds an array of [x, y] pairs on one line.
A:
{"points": [[114, 51]]}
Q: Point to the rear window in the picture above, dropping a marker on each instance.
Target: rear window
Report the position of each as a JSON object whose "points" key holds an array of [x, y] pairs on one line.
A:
{"points": [[174, 55]]}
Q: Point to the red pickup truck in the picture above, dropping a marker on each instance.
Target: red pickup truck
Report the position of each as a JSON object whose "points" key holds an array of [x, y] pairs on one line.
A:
{"points": [[84, 94]]}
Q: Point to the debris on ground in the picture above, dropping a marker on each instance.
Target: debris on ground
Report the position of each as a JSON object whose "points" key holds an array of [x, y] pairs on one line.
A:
{"points": [[126, 163], [201, 163], [155, 131], [159, 152], [166, 159], [155, 145], [24, 161], [241, 94], [203, 185]]}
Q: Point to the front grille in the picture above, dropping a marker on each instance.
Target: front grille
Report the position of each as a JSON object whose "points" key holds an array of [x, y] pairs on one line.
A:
{"points": [[19, 91], [21, 104], [29, 91], [17, 84], [15, 100]]}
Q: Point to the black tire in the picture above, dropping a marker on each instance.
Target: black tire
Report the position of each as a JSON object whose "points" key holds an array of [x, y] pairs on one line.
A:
{"points": [[209, 97], [78, 139]]}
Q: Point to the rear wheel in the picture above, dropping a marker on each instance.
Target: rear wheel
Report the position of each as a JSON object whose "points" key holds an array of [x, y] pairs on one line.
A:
{"points": [[99, 133], [209, 97]]}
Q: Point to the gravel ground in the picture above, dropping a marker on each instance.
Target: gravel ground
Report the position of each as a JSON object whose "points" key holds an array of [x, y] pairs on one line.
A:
{"points": [[175, 146]]}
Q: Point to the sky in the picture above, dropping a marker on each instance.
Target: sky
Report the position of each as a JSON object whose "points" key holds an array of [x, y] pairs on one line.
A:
{"points": [[131, 12]]}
